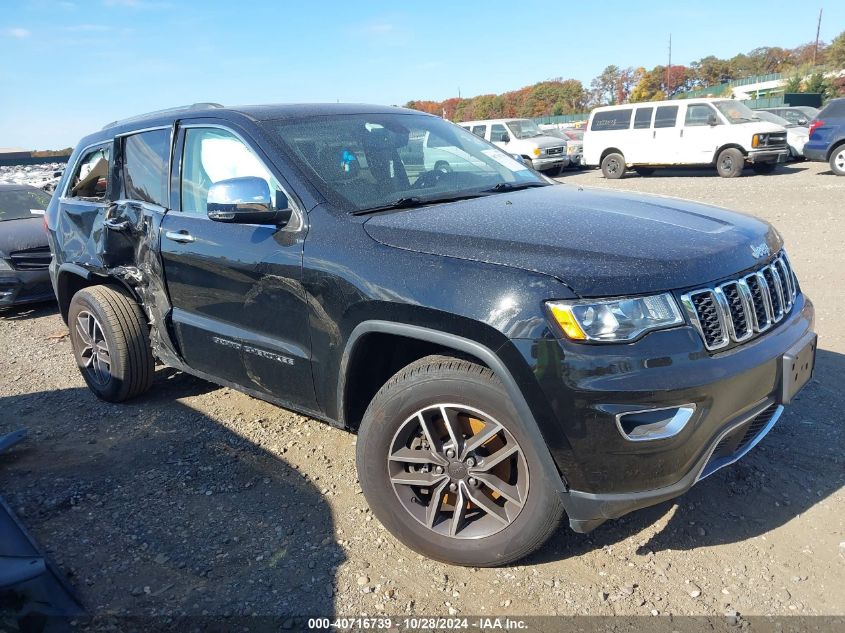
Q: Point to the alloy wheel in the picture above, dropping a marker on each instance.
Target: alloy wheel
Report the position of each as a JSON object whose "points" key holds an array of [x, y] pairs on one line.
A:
{"points": [[94, 354], [458, 472], [839, 161]]}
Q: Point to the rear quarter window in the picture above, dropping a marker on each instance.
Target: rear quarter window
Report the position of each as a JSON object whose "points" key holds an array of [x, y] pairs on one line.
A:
{"points": [[146, 171], [611, 120], [834, 109]]}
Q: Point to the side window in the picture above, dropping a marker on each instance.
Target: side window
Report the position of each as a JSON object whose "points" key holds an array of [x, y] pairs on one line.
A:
{"points": [[612, 120], [698, 114], [479, 130], [146, 167], [642, 119], [91, 179], [790, 115], [666, 116], [211, 155], [498, 133]]}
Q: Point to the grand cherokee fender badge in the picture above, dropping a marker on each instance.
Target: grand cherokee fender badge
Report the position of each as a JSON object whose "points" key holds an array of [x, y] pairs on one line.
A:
{"points": [[760, 250], [249, 349]]}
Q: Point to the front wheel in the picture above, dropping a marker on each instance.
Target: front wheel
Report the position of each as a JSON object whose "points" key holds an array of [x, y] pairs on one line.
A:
{"points": [[447, 467], [613, 166], [764, 168], [730, 163], [837, 161]]}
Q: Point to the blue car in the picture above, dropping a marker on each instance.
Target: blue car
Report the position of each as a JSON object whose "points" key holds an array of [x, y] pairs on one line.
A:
{"points": [[827, 137]]}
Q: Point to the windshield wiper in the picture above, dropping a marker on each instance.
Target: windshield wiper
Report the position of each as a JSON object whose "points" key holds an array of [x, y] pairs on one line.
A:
{"points": [[509, 186], [416, 201]]}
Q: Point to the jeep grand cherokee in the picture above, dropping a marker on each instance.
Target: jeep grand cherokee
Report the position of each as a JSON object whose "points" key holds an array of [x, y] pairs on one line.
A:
{"points": [[507, 349]]}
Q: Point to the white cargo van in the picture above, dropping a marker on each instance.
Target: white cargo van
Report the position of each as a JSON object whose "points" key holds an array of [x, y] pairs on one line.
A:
{"points": [[719, 132], [524, 138]]}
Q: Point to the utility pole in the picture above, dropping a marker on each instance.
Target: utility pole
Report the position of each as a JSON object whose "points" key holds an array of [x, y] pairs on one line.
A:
{"points": [[669, 67], [818, 30]]}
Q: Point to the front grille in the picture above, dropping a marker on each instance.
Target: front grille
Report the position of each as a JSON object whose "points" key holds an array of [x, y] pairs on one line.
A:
{"points": [[756, 425], [776, 140], [739, 309], [31, 259], [553, 151]]}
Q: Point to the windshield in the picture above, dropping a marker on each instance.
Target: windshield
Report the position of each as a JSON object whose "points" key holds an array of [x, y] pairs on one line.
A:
{"points": [[772, 118], [19, 204], [367, 161], [735, 112], [524, 129]]}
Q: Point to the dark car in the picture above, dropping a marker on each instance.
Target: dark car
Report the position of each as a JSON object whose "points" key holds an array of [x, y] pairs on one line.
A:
{"points": [[24, 252], [507, 349], [827, 137], [797, 115]]}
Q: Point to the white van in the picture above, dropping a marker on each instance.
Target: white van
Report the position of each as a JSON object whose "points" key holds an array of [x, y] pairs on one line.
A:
{"points": [[718, 132], [522, 137]]}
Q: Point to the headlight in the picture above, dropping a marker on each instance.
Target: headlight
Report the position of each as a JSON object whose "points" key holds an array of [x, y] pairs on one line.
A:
{"points": [[759, 140], [4, 265], [536, 151], [622, 319]]}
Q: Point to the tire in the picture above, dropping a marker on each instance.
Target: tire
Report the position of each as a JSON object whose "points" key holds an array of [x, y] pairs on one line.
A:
{"points": [[763, 168], [613, 166], [837, 161], [108, 316], [730, 163], [644, 171], [391, 424]]}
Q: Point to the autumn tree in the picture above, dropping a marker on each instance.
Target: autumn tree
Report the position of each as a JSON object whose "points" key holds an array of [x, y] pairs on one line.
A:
{"points": [[836, 52], [604, 86]]}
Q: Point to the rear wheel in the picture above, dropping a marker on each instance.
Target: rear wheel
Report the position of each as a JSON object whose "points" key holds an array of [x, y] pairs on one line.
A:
{"points": [[111, 343], [730, 163], [764, 168], [447, 467], [837, 161], [613, 166]]}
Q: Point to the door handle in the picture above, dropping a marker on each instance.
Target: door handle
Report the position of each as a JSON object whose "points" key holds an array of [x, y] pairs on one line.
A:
{"points": [[654, 134], [183, 237]]}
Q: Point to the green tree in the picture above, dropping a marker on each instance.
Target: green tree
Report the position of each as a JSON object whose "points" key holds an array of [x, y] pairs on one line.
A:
{"points": [[816, 83], [604, 86], [793, 84], [835, 53]]}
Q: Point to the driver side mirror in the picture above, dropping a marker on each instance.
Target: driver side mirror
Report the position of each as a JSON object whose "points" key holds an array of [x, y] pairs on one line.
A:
{"points": [[803, 121], [245, 200], [712, 120], [505, 138]]}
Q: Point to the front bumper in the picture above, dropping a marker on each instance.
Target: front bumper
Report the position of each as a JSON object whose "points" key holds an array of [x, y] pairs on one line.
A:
{"points": [[588, 386], [18, 287], [543, 163], [768, 155]]}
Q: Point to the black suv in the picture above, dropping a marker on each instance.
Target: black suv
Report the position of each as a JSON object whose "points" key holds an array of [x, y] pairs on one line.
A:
{"points": [[508, 349]]}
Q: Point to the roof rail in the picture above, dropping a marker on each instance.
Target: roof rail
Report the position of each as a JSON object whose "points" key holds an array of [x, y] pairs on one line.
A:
{"points": [[176, 110]]}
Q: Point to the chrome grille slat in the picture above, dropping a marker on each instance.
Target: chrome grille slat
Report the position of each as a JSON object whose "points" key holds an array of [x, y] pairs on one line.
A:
{"points": [[737, 310]]}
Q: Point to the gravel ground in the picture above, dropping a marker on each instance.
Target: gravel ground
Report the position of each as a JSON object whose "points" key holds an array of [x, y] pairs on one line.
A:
{"points": [[197, 500]]}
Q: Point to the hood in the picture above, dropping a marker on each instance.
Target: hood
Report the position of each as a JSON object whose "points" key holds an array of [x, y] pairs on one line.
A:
{"points": [[545, 141], [598, 242], [20, 235], [761, 127]]}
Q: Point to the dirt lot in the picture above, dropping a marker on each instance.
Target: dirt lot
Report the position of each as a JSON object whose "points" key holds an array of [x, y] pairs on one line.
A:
{"points": [[200, 500]]}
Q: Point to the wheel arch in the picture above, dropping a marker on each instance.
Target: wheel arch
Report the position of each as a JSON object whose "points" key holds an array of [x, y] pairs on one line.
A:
{"points": [[835, 146], [610, 150], [71, 278], [440, 342], [722, 148]]}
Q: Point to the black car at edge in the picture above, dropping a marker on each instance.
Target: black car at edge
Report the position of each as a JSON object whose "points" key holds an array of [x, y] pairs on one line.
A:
{"points": [[509, 350]]}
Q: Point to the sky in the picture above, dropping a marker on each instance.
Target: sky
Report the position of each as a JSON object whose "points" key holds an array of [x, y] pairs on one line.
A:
{"points": [[68, 67]]}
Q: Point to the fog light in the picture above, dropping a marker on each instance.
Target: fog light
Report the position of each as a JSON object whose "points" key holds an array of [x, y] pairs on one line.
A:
{"points": [[654, 424]]}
